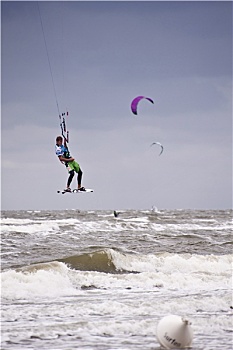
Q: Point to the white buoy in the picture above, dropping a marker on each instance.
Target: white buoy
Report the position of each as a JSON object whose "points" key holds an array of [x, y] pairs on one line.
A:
{"points": [[174, 332]]}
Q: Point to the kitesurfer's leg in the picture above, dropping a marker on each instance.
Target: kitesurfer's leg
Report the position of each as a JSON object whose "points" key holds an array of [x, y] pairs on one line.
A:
{"points": [[79, 178], [70, 178], [78, 170]]}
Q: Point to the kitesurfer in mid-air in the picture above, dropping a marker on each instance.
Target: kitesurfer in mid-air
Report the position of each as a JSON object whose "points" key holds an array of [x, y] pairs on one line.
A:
{"points": [[72, 166]]}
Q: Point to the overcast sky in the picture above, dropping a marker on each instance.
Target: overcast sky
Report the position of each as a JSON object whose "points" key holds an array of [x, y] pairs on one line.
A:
{"points": [[102, 55]]}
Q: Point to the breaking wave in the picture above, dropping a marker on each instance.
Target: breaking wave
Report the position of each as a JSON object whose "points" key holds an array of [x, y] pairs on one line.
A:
{"points": [[109, 268]]}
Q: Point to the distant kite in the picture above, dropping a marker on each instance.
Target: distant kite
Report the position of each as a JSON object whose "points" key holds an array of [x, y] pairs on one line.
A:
{"points": [[135, 102], [158, 143]]}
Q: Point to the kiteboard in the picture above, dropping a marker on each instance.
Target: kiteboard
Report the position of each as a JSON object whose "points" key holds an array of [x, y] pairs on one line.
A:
{"points": [[87, 190]]}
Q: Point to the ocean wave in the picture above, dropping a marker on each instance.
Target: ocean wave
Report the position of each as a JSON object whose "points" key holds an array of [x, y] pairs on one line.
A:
{"points": [[37, 280], [114, 261], [109, 269], [101, 260]]}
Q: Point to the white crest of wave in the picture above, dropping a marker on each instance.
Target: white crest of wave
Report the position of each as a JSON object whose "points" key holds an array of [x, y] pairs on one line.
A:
{"points": [[179, 270], [35, 226], [39, 280], [168, 261]]}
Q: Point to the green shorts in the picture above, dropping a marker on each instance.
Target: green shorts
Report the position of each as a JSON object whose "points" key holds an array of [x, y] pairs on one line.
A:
{"points": [[73, 166]]}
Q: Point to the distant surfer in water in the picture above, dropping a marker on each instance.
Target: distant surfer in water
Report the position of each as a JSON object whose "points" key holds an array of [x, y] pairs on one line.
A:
{"points": [[72, 166], [153, 209], [115, 214]]}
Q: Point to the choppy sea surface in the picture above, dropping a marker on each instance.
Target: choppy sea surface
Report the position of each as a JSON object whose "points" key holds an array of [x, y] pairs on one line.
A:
{"points": [[90, 280]]}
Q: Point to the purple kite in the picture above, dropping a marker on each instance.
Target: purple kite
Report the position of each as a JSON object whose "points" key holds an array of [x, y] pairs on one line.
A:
{"points": [[135, 102]]}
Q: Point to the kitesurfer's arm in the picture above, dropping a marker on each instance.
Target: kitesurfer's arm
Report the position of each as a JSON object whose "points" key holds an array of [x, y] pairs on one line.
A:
{"points": [[65, 144], [62, 159]]}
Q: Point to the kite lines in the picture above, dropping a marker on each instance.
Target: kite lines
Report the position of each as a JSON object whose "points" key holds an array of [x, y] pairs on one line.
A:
{"points": [[62, 116]]}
